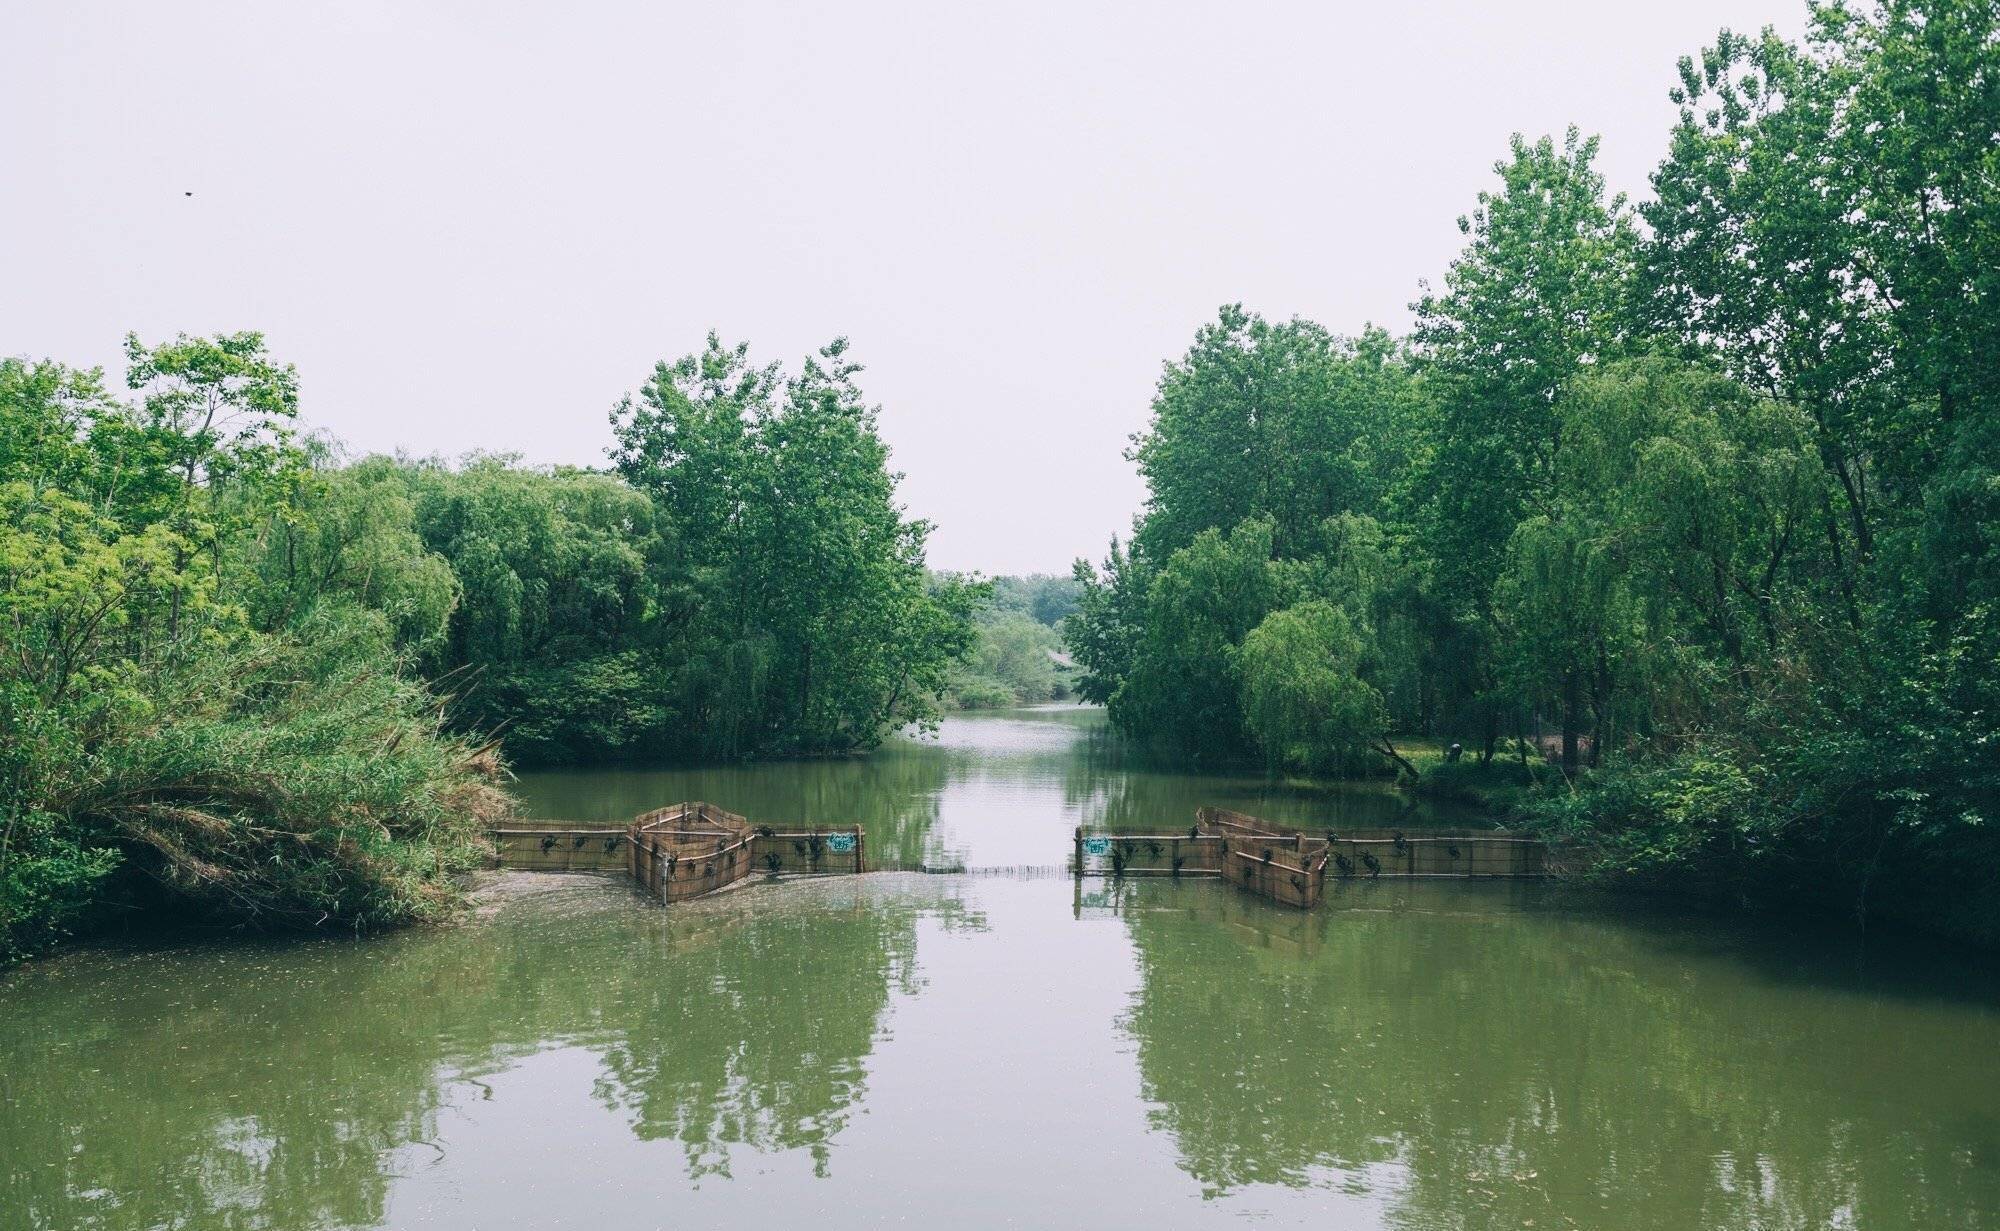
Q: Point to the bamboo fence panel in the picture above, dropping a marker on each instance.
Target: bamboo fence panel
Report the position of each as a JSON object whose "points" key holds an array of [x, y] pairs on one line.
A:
{"points": [[689, 849], [810, 850], [1159, 854], [1288, 865], [531, 846]]}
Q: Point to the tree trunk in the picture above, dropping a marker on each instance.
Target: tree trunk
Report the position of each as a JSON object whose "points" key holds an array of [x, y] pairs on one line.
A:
{"points": [[1600, 706], [1387, 749], [1572, 716]]}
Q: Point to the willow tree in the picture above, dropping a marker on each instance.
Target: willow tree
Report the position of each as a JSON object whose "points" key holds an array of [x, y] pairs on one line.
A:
{"points": [[1304, 699], [1539, 294]]}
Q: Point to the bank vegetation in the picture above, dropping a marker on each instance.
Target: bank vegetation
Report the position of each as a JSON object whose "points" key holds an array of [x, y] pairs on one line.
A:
{"points": [[247, 680], [1694, 498]]}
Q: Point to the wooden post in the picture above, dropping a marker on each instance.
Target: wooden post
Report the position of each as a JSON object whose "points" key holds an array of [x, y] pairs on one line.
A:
{"points": [[860, 849], [1079, 852]]}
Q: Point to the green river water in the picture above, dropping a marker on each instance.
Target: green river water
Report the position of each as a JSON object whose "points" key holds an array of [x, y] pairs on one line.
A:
{"points": [[1006, 1047]]}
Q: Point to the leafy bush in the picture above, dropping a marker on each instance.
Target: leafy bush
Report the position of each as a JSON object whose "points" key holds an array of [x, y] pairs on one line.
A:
{"points": [[980, 692], [1011, 662], [1685, 818], [192, 700], [291, 780]]}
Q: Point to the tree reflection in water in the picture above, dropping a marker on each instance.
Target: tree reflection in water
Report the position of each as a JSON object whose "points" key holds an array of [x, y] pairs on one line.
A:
{"points": [[1476, 1062], [271, 1085]]}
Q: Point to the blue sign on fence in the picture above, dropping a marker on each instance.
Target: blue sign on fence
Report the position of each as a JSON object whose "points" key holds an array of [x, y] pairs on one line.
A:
{"points": [[840, 843], [1097, 846]]}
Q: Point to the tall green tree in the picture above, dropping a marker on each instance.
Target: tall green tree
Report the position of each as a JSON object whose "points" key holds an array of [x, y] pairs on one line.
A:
{"points": [[1184, 690], [802, 586], [1279, 438], [1283, 421], [1538, 296], [1304, 700]]}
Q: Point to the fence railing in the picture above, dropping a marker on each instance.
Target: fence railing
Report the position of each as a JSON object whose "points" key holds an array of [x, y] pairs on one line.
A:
{"points": [[681, 851], [1290, 865]]}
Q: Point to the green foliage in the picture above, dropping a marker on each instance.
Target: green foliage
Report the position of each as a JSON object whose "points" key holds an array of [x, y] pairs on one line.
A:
{"points": [[794, 607], [1184, 689], [352, 533], [1044, 599], [1303, 700], [1534, 299], [176, 707], [1283, 421], [1819, 232], [1274, 455], [1689, 816], [557, 576], [50, 880], [1012, 662], [1016, 656], [301, 780], [1102, 634], [1703, 514]]}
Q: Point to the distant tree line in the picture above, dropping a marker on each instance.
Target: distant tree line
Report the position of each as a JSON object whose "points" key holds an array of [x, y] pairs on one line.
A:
{"points": [[1017, 650], [243, 678], [1703, 493]]}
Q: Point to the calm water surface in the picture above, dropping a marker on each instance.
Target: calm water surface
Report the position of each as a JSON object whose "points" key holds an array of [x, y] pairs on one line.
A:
{"points": [[1004, 1049]]}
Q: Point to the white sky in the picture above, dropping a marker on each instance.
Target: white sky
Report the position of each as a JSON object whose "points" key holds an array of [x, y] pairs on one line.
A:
{"points": [[474, 225]]}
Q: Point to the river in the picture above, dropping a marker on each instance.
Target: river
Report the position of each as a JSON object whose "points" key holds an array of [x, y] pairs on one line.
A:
{"points": [[1006, 1046]]}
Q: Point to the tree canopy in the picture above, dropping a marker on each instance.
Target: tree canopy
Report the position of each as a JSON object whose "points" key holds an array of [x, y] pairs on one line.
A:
{"points": [[250, 678], [1695, 498]]}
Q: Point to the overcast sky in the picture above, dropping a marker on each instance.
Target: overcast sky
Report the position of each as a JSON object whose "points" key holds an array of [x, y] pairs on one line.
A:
{"points": [[474, 225]]}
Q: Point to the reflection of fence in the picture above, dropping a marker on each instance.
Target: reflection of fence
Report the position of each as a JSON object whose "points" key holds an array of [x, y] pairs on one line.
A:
{"points": [[1290, 866], [680, 851]]}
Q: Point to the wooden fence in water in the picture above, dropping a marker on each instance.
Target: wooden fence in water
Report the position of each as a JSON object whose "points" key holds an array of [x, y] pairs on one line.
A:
{"points": [[686, 850], [560, 846], [680, 851], [1289, 866]]}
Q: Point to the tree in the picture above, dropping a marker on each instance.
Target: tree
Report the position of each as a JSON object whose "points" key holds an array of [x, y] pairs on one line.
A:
{"points": [[1283, 421], [1102, 634], [1183, 691], [1304, 700], [1012, 663], [174, 709], [1538, 296], [808, 621], [351, 534]]}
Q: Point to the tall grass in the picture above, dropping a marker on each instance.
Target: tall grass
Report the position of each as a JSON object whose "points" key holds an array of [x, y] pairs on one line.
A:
{"points": [[296, 779]]}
